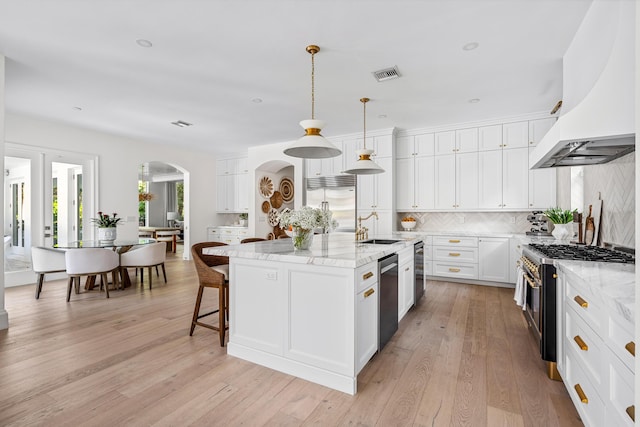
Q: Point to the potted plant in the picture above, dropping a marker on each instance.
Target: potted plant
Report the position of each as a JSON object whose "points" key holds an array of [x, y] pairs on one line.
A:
{"points": [[303, 221], [243, 218], [106, 225], [562, 222]]}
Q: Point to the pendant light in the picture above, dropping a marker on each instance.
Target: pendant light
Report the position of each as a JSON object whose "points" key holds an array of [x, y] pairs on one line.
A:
{"points": [[312, 145], [364, 165]]}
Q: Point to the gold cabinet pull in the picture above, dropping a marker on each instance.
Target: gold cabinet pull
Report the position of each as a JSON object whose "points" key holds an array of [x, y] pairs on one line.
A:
{"points": [[366, 276], [454, 254], [581, 395], [555, 276], [368, 293], [581, 301], [631, 348], [454, 241], [455, 270], [631, 411], [583, 345]]}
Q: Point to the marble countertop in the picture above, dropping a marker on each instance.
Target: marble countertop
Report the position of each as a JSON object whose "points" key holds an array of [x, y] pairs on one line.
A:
{"points": [[614, 282], [334, 249]]}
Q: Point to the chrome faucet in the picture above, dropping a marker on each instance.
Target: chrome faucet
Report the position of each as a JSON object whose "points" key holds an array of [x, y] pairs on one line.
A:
{"points": [[362, 233]]}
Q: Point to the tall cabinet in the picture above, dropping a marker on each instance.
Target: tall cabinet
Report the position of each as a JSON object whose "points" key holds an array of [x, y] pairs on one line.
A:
{"points": [[232, 185], [415, 172]]}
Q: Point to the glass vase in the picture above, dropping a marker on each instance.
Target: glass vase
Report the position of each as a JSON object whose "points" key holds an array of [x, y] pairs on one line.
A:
{"points": [[302, 239]]}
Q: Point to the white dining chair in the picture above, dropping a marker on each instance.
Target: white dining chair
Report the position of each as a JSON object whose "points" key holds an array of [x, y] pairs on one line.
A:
{"points": [[146, 256], [46, 261], [168, 236], [91, 262]]}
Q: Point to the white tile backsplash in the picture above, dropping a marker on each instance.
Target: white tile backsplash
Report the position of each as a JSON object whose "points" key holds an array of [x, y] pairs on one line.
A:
{"points": [[498, 222]]}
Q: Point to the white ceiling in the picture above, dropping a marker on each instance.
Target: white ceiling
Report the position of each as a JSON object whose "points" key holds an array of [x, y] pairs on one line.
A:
{"points": [[77, 61]]}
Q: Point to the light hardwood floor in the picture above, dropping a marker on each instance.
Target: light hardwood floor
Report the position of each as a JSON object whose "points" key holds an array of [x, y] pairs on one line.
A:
{"points": [[462, 357]]}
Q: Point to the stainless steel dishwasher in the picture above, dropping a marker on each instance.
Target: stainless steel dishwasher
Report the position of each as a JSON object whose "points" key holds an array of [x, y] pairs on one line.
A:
{"points": [[388, 299]]}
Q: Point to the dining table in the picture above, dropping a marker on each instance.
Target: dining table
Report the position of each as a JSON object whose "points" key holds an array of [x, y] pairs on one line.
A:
{"points": [[119, 245]]}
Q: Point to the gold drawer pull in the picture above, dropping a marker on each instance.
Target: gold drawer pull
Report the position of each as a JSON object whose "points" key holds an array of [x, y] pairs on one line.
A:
{"points": [[454, 254], [455, 270], [631, 348], [368, 293], [631, 411], [581, 301], [454, 241], [581, 395], [583, 345], [366, 276]]}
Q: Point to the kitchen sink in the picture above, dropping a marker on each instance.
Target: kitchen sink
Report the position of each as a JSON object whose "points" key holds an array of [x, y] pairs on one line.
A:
{"points": [[380, 241]]}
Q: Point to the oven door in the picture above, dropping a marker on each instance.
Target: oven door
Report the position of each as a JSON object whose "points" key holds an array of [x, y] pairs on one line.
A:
{"points": [[533, 311]]}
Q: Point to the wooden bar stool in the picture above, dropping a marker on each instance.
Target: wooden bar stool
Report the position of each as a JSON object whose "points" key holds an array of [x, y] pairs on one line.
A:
{"points": [[213, 272]]}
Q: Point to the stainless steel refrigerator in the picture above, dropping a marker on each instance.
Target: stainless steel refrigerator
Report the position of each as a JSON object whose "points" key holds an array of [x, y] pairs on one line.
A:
{"points": [[339, 192]]}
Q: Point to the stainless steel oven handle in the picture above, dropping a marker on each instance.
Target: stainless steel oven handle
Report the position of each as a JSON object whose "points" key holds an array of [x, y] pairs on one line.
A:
{"points": [[532, 283], [389, 267]]}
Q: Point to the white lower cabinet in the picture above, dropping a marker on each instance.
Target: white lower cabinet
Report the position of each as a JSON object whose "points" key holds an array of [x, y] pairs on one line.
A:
{"points": [[228, 235], [595, 354], [367, 326], [493, 259], [406, 281], [455, 257]]}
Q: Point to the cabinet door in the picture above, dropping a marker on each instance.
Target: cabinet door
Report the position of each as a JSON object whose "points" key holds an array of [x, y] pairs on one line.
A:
{"points": [[490, 138], [493, 259], [424, 144], [367, 325], [384, 184], [515, 135], [467, 181], [314, 168], [467, 140], [223, 167], [538, 129], [241, 202], [445, 142], [424, 184], [404, 147], [445, 182], [406, 283], [366, 192], [224, 193], [242, 165], [383, 146], [405, 194], [515, 177], [490, 179], [542, 188]]}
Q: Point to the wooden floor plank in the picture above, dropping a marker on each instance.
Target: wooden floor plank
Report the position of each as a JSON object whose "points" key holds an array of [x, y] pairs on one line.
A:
{"points": [[462, 356]]}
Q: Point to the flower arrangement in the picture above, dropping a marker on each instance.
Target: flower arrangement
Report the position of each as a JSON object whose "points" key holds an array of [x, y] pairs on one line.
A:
{"points": [[145, 197], [306, 218], [559, 216], [106, 221]]}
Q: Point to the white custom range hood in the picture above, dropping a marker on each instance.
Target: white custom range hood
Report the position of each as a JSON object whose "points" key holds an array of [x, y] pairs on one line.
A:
{"points": [[599, 72]]}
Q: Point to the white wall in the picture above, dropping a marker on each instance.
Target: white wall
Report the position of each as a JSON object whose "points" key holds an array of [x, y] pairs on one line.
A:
{"points": [[4, 318]]}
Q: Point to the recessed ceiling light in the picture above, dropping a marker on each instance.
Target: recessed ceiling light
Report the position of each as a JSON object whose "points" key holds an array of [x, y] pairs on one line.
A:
{"points": [[470, 46], [181, 124], [474, 100], [144, 43], [256, 100]]}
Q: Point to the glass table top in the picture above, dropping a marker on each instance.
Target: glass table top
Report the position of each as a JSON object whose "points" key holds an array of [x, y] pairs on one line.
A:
{"points": [[118, 243]]}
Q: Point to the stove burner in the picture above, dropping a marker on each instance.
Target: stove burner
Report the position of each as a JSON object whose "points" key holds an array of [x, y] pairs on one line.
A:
{"points": [[583, 253]]}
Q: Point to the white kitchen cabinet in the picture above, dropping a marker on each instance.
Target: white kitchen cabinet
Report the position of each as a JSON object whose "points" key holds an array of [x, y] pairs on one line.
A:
{"points": [[225, 194], [406, 281], [515, 252], [415, 183], [444, 142], [241, 198], [515, 135], [455, 256], [382, 146], [466, 140], [327, 167], [503, 179], [228, 235], [367, 314], [456, 181], [376, 191], [232, 185], [542, 182], [538, 129], [493, 259], [385, 224], [490, 138], [415, 145]]}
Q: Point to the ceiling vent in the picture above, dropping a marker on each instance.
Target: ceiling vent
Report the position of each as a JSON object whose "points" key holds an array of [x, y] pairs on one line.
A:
{"points": [[387, 74]]}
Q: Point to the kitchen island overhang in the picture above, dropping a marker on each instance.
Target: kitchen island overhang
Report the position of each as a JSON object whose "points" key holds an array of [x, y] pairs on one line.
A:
{"points": [[297, 311]]}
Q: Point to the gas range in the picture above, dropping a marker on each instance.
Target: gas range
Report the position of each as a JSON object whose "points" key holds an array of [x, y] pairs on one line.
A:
{"points": [[545, 254]]}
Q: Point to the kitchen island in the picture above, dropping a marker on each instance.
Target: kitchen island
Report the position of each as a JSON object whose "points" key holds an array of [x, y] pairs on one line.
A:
{"points": [[311, 314]]}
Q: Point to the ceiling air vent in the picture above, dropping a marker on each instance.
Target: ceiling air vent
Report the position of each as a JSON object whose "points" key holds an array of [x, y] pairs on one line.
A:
{"points": [[387, 74]]}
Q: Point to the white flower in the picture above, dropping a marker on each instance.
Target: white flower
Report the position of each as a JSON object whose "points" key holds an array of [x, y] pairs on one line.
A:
{"points": [[307, 218]]}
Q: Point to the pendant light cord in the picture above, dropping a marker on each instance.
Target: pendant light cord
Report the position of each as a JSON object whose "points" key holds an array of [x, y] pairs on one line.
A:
{"points": [[364, 120], [313, 93]]}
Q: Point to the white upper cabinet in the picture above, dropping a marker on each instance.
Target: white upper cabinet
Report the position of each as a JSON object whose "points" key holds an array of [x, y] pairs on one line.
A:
{"points": [[515, 178], [415, 183], [490, 138], [445, 142], [417, 145], [515, 135], [467, 181], [232, 185], [467, 140], [538, 129], [382, 146]]}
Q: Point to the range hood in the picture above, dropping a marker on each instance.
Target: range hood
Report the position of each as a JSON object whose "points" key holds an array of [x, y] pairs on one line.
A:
{"points": [[600, 126]]}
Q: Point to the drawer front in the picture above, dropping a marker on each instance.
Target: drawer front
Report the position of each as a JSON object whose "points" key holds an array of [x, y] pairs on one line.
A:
{"points": [[587, 347], [471, 242], [243, 234], [366, 276], [620, 405], [462, 271], [455, 254], [578, 387], [621, 340], [587, 306]]}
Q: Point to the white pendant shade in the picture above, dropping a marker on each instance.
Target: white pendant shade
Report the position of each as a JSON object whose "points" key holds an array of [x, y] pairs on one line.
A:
{"points": [[312, 145], [364, 165]]}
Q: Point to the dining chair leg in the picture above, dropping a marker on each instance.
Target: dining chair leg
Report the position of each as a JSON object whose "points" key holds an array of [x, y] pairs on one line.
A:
{"points": [[39, 285], [141, 276], [150, 277], [105, 280], [164, 272], [221, 314], [114, 279], [69, 288], [196, 309], [157, 272]]}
